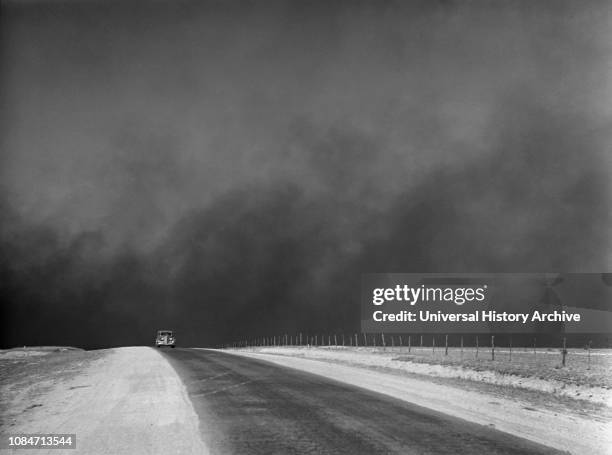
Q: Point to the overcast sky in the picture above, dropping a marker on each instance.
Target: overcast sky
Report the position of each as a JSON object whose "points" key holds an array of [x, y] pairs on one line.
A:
{"points": [[224, 140]]}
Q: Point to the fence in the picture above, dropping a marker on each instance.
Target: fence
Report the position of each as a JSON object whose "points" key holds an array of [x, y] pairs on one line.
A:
{"points": [[477, 347]]}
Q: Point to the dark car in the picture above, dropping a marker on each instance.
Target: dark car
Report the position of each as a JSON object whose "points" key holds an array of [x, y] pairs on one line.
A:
{"points": [[165, 338]]}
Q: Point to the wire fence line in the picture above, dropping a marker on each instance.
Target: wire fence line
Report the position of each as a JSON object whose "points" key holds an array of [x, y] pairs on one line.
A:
{"points": [[482, 347]]}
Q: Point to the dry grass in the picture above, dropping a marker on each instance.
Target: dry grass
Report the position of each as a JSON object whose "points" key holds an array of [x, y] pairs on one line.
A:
{"points": [[543, 364]]}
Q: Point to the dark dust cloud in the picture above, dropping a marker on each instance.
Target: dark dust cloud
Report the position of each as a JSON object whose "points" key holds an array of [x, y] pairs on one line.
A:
{"points": [[229, 168]]}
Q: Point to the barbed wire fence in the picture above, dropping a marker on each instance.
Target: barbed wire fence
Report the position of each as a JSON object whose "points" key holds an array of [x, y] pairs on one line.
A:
{"points": [[460, 347]]}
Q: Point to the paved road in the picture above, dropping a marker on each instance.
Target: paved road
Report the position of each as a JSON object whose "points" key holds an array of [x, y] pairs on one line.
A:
{"points": [[250, 406]]}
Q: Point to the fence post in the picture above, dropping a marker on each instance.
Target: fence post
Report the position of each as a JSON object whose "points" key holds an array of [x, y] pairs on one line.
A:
{"points": [[510, 349], [383, 341], [476, 346], [534, 347], [392, 342], [356, 341], [563, 352], [335, 340], [365, 340], [462, 346], [421, 340], [409, 347], [446, 345], [433, 344], [589, 355], [492, 347]]}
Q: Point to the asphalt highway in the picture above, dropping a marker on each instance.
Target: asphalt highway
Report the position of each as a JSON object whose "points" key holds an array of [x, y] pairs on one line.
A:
{"points": [[248, 406]]}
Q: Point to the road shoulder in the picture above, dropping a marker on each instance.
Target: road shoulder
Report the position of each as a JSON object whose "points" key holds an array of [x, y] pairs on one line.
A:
{"points": [[126, 401], [572, 433]]}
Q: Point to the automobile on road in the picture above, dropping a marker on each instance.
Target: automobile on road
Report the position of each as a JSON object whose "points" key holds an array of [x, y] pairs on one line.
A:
{"points": [[165, 338]]}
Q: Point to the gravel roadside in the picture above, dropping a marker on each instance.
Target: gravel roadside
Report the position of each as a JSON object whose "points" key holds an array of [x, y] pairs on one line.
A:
{"points": [[117, 401]]}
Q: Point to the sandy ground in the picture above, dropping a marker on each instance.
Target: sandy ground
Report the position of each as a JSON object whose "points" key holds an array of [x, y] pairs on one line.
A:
{"points": [[33, 351], [567, 431], [577, 384], [123, 401]]}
